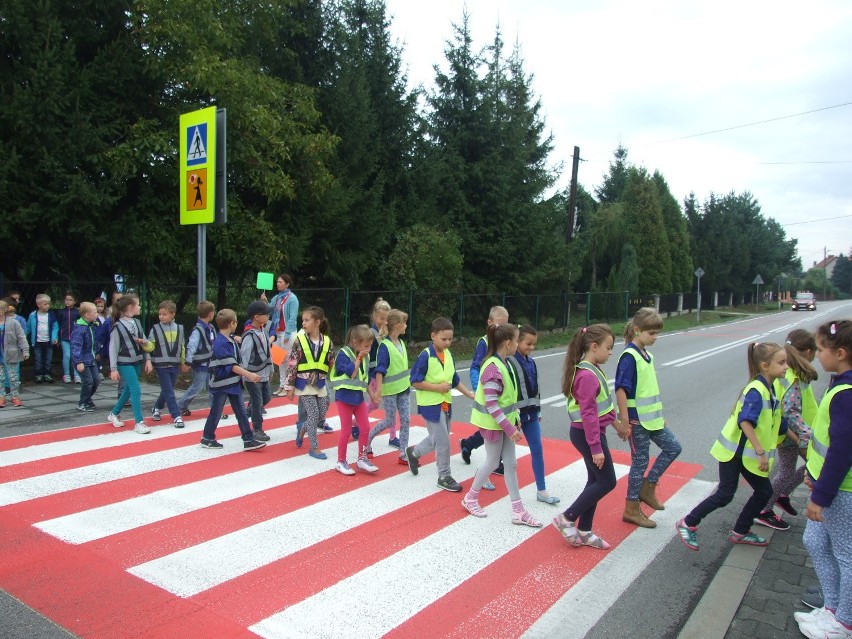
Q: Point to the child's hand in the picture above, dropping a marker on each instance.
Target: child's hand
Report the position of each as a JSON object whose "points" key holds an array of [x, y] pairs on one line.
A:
{"points": [[814, 512], [444, 387], [113, 375], [253, 377], [149, 366], [185, 368], [808, 481], [80, 367], [598, 460], [764, 462], [364, 353], [238, 339], [54, 342], [517, 436]]}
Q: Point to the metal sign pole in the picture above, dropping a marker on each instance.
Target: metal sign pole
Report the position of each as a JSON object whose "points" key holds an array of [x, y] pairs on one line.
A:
{"points": [[202, 262], [698, 273]]}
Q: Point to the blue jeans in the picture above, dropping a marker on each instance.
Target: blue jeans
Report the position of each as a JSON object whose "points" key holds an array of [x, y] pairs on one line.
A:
{"points": [[217, 404], [90, 379], [67, 367], [167, 376], [130, 374], [532, 433], [200, 377], [640, 445], [259, 395], [43, 358]]}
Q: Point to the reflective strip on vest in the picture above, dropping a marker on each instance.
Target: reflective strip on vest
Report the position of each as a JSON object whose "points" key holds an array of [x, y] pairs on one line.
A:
{"points": [[647, 401], [340, 381], [129, 352], [231, 379], [507, 400], [747, 452], [204, 351], [307, 362], [604, 399], [260, 356], [396, 378], [818, 446], [524, 399], [170, 355]]}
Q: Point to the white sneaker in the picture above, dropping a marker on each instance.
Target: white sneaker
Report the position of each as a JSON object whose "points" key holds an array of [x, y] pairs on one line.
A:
{"points": [[811, 616], [178, 422], [141, 428], [367, 465], [155, 414], [114, 420], [825, 627], [66, 379], [343, 468]]}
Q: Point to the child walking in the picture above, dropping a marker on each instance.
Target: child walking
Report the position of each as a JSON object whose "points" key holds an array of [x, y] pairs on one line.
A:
{"points": [[640, 409], [225, 384], [199, 349], [591, 410], [828, 534], [43, 331], [433, 377], [67, 317], [349, 380], [167, 358], [530, 409], [498, 418], [127, 350], [379, 318], [85, 346], [308, 366], [393, 385], [257, 358], [798, 410], [746, 446], [13, 350]]}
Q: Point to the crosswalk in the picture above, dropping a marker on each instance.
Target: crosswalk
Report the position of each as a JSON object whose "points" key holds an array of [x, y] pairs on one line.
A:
{"points": [[110, 533]]}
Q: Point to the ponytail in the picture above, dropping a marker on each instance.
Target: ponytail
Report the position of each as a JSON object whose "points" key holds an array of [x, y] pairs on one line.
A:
{"points": [[799, 341], [318, 314], [498, 334], [580, 343]]}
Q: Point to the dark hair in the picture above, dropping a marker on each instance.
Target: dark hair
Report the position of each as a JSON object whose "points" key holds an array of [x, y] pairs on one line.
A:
{"points": [[580, 343], [122, 305], [497, 334], [799, 341], [524, 330], [645, 319], [836, 335], [288, 279], [760, 353], [318, 314], [205, 308], [441, 324]]}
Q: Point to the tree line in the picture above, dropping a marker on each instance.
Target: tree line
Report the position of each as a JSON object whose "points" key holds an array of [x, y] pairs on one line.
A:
{"points": [[338, 172]]}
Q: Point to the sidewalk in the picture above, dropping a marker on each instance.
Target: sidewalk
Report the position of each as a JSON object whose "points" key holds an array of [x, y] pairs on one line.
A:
{"points": [[757, 590]]}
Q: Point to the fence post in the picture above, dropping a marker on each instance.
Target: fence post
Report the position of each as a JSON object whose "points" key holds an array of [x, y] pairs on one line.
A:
{"points": [[411, 312], [345, 312], [565, 309], [537, 310], [503, 300], [461, 313], [143, 299], [627, 306], [657, 302], [588, 307]]}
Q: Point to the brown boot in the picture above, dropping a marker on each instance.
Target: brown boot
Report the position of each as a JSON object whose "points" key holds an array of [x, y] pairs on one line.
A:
{"points": [[633, 515], [648, 494]]}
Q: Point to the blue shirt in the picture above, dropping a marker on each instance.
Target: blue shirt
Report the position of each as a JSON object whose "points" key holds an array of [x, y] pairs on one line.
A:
{"points": [[530, 378], [418, 374], [626, 378], [223, 348], [346, 366], [476, 363]]}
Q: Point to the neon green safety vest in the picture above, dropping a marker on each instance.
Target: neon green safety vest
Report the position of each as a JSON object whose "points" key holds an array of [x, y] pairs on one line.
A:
{"points": [[809, 402], [820, 440], [436, 373], [647, 401], [340, 381], [507, 400], [308, 363], [766, 429], [396, 380], [604, 398]]}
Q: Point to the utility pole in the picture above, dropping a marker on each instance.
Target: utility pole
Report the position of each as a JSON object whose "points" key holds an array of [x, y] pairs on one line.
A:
{"points": [[572, 196]]}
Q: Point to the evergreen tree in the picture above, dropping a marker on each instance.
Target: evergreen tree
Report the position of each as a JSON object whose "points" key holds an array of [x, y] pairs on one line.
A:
{"points": [[628, 270], [677, 235], [841, 276], [644, 221], [615, 183]]}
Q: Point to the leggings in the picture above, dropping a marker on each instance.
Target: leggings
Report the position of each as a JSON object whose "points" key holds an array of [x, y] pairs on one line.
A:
{"points": [[315, 408], [393, 404], [9, 377], [787, 476], [830, 544], [599, 481], [346, 412], [532, 433], [640, 445], [130, 374], [493, 450]]}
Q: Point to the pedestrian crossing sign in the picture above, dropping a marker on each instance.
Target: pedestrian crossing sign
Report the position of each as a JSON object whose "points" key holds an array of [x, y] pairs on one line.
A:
{"points": [[197, 175]]}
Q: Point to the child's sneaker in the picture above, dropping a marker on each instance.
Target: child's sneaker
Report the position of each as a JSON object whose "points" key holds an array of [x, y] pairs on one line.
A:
{"points": [[317, 454], [344, 468], [210, 443], [91, 405], [327, 428], [66, 379], [85, 408], [448, 483], [487, 485], [825, 627], [366, 465], [688, 534], [179, 422], [261, 436], [253, 444], [785, 505], [369, 453], [499, 470], [47, 378], [771, 520], [39, 379], [155, 414], [749, 539], [114, 420], [465, 452], [16, 402], [185, 412], [141, 428], [2, 402], [394, 443], [811, 616], [77, 380], [413, 462], [402, 461]]}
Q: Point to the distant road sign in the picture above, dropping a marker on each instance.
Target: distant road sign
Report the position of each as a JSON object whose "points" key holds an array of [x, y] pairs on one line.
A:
{"points": [[757, 280], [699, 272]]}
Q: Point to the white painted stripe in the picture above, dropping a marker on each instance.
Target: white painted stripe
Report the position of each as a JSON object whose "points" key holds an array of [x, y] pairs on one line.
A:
{"points": [[190, 571], [424, 571], [711, 351], [117, 437], [579, 609], [96, 523]]}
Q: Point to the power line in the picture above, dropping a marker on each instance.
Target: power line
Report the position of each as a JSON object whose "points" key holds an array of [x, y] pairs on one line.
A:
{"points": [[811, 162], [825, 219]]}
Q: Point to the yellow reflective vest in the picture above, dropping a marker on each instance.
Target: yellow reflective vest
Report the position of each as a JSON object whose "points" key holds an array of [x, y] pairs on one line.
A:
{"points": [[396, 380], [604, 398], [820, 440], [646, 401], [340, 381], [437, 373], [307, 362], [507, 400]]}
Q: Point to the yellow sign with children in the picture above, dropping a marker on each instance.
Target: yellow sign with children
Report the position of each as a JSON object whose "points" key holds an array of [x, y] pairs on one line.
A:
{"points": [[197, 166]]}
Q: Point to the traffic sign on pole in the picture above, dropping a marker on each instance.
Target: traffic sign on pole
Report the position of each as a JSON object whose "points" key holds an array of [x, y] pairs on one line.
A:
{"points": [[197, 175]]}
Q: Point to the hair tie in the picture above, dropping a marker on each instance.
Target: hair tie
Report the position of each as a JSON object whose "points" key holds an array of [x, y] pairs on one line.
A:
{"points": [[833, 329], [789, 342], [584, 330], [756, 344]]}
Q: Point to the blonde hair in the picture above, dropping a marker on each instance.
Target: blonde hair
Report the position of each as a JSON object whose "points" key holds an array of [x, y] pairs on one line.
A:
{"points": [[167, 305], [87, 307], [760, 353], [799, 341], [359, 333], [225, 317], [497, 311], [4, 306], [380, 305], [645, 319], [42, 297], [395, 318]]}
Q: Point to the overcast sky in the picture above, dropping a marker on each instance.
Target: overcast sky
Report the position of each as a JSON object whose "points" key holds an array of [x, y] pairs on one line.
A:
{"points": [[644, 73]]}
